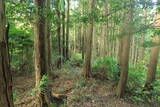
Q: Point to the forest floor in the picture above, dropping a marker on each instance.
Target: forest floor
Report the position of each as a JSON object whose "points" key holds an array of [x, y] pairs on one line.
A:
{"points": [[79, 92]]}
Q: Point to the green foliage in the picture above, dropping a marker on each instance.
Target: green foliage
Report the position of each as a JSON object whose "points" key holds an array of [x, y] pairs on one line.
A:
{"points": [[149, 96], [54, 105], [136, 77], [135, 85], [61, 5], [150, 44], [42, 88], [33, 92], [15, 95], [156, 31], [107, 65], [76, 60], [43, 83], [21, 50]]}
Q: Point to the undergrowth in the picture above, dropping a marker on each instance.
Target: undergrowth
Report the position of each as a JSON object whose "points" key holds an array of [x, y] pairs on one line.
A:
{"points": [[107, 67]]}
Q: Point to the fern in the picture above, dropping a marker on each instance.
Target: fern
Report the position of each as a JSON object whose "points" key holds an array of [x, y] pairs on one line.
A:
{"points": [[43, 83], [42, 86]]}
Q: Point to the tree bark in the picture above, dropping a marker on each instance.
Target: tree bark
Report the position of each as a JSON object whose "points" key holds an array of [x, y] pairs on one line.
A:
{"points": [[124, 59], [49, 39], [83, 34], [41, 54], [153, 63], [87, 63], [6, 97], [64, 35], [59, 37], [154, 55], [142, 49], [83, 41], [67, 30]]}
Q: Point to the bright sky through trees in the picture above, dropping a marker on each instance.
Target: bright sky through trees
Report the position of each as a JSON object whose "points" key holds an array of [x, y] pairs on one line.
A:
{"points": [[74, 4], [154, 0]]}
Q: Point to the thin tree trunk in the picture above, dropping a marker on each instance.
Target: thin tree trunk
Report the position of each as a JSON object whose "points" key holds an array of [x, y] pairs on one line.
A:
{"points": [[64, 35], [142, 49], [83, 42], [135, 51], [105, 31], [75, 42], [59, 38], [49, 39], [67, 30], [79, 38], [83, 34]]}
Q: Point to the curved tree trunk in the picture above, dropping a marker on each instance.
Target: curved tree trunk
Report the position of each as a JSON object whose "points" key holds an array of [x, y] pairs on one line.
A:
{"points": [[6, 97], [124, 52]]}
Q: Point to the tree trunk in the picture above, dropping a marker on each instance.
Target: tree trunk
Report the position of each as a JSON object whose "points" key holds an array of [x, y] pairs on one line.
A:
{"points": [[142, 49], [124, 59], [59, 37], [49, 39], [63, 35], [83, 41], [153, 63], [87, 63], [75, 41], [6, 97], [41, 64], [154, 55], [67, 30]]}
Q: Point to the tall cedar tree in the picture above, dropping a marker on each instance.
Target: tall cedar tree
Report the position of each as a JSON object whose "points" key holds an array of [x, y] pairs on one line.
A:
{"points": [[48, 33], [124, 51], [153, 63], [154, 55], [67, 30], [87, 63], [64, 34], [41, 51], [6, 97], [59, 34]]}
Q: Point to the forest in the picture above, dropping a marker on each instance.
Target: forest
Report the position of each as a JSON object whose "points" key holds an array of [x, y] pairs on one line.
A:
{"points": [[79, 53]]}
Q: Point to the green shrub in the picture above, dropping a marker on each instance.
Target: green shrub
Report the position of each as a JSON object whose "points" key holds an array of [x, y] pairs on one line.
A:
{"points": [[21, 50], [135, 85], [76, 60], [108, 66], [136, 77], [42, 88], [150, 96], [43, 83]]}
